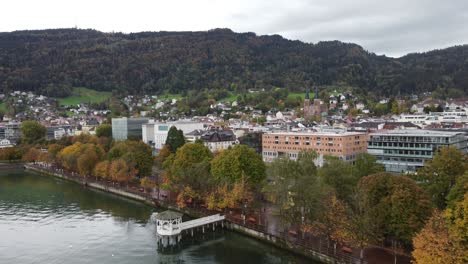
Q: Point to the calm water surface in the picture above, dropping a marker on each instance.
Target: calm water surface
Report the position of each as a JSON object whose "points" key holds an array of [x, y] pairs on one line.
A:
{"points": [[48, 220]]}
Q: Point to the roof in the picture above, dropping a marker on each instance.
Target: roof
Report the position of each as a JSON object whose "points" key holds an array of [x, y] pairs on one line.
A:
{"points": [[168, 215], [417, 132], [321, 133], [218, 136]]}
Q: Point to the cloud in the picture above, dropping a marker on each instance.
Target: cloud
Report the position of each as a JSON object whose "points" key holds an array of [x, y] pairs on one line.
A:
{"points": [[387, 27]]}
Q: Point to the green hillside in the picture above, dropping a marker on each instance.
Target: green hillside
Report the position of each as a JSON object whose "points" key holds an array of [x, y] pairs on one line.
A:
{"points": [[84, 95]]}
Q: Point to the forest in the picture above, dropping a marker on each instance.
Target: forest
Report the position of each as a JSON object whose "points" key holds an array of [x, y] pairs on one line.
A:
{"points": [[51, 62]]}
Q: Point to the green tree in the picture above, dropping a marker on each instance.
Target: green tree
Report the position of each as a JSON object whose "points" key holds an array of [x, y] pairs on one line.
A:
{"points": [[135, 153], [32, 132], [175, 139], [190, 167], [240, 161], [397, 204], [440, 174], [339, 175], [104, 130], [366, 164], [295, 188], [362, 229]]}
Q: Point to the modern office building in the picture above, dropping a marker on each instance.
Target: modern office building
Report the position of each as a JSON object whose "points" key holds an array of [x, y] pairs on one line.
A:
{"points": [[155, 133], [408, 150], [341, 144], [125, 128]]}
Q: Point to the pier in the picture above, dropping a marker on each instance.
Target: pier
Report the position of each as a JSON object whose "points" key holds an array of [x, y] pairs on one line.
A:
{"points": [[169, 226]]}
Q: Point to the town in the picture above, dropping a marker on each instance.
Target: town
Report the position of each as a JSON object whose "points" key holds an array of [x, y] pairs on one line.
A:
{"points": [[297, 172], [401, 139]]}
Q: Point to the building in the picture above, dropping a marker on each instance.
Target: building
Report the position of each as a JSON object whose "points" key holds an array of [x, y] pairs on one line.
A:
{"points": [[57, 132], [10, 131], [315, 109], [217, 139], [5, 143], [125, 128], [155, 133], [253, 140], [408, 150], [341, 144]]}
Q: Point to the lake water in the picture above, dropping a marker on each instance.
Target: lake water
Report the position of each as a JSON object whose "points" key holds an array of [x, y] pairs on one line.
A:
{"points": [[49, 220]]}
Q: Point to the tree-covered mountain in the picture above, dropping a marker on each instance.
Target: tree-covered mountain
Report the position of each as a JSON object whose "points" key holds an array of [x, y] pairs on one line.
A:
{"points": [[52, 61]]}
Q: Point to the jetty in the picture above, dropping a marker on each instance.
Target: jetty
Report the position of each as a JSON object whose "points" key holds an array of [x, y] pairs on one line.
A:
{"points": [[169, 226]]}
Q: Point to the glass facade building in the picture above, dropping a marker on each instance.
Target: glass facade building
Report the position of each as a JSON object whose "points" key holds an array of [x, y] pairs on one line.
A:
{"points": [[125, 128], [408, 150]]}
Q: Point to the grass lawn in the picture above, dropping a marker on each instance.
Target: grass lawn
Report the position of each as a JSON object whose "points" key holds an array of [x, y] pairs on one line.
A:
{"points": [[84, 95], [2, 107], [301, 95], [231, 98]]}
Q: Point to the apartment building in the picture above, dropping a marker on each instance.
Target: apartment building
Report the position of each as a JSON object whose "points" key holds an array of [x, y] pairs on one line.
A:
{"points": [[341, 144], [408, 150]]}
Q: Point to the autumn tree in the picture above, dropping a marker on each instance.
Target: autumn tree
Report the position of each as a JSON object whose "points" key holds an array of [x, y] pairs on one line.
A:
{"points": [[11, 154], [147, 183], [53, 150], [87, 161], [163, 154], [32, 155], [32, 132], [101, 170], [333, 221], [175, 139], [440, 174], [435, 244], [121, 172]]}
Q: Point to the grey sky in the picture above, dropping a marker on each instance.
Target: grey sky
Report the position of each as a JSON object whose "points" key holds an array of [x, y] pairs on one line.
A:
{"points": [[393, 27]]}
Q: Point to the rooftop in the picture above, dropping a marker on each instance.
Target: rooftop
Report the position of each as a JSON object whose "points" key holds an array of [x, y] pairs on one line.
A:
{"points": [[322, 133], [418, 132], [168, 215]]}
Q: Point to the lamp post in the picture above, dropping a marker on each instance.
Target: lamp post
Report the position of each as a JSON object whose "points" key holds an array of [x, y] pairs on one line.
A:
{"points": [[302, 222], [244, 210]]}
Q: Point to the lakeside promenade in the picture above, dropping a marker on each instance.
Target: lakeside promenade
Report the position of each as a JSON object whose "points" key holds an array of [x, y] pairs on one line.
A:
{"points": [[260, 224]]}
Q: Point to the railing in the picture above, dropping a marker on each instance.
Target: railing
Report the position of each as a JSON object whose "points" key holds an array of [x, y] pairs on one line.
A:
{"points": [[309, 243], [201, 221]]}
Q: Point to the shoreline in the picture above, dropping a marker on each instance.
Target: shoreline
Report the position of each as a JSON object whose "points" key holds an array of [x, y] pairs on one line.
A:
{"points": [[232, 226]]}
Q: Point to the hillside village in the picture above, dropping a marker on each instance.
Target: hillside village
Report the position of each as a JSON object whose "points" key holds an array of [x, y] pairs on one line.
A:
{"points": [[228, 123]]}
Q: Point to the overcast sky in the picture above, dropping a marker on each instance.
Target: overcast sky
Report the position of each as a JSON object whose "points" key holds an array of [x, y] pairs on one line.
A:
{"points": [[390, 27]]}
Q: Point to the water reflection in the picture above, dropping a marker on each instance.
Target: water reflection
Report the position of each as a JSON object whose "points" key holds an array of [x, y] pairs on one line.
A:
{"points": [[48, 220]]}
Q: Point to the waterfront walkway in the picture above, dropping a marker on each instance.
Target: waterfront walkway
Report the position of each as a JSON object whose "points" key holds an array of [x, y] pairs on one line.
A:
{"points": [[262, 220]]}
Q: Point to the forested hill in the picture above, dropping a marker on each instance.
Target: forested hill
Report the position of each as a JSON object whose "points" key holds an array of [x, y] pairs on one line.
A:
{"points": [[52, 61]]}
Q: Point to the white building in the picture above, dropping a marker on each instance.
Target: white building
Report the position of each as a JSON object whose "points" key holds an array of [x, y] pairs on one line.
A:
{"points": [[155, 133]]}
